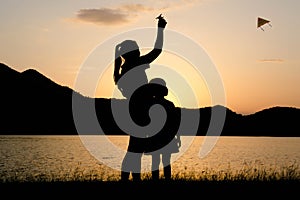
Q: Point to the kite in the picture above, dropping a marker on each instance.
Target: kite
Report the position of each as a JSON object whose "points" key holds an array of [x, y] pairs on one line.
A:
{"points": [[261, 22]]}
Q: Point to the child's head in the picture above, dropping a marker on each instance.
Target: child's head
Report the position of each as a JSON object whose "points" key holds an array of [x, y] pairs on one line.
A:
{"points": [[160, 87], [129, 49], [159, 81]]}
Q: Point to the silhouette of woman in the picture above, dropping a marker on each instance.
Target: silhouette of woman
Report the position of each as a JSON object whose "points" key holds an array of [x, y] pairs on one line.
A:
{"points": [[129, 74]]}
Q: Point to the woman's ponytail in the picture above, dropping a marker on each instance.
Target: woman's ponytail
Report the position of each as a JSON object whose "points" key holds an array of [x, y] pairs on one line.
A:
{"points": [[118, 62]]}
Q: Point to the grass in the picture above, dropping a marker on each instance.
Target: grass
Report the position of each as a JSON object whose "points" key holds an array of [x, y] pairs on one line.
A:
{"points": [[250, 181], [248, 173]]}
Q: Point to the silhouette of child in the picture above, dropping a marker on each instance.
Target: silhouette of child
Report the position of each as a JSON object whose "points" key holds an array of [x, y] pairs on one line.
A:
{"points": [[129, 74], [166, 141]]}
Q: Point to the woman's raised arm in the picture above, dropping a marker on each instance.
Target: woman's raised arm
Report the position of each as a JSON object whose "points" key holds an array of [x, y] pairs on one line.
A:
{"points": [[155, 52]]}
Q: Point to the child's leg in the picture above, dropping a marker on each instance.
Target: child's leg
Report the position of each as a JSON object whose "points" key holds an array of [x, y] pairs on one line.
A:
{"points": [[166, 160]]}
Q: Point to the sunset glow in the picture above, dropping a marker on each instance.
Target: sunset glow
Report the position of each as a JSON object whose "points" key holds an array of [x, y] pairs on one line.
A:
{"points": [[258, 69]]}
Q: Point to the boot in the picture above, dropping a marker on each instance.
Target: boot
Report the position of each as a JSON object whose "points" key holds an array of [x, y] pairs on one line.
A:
{"points": [[125, 176], [155, 175], [167, 172], [136, 177]]}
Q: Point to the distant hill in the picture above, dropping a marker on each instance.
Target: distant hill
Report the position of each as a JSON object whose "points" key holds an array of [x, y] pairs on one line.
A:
{"points": [[32, 104]]}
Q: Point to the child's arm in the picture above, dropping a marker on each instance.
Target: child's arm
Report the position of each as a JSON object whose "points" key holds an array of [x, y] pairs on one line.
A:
{"points": [[155, 52]]}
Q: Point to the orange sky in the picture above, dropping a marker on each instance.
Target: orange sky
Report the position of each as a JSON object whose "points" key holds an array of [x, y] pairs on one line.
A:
{"points": [[258, 69]]}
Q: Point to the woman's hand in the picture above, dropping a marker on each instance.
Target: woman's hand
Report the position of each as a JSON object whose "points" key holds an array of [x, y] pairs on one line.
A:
{"points": [[161, 21]]}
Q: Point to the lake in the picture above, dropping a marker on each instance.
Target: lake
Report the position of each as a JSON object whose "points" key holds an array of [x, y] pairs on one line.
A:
{"points": [[34, 158]]}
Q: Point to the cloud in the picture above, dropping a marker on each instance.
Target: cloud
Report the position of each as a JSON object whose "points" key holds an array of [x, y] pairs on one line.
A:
{"points": [[105, 16], [125, 13], [273, 60], [112, 16]]}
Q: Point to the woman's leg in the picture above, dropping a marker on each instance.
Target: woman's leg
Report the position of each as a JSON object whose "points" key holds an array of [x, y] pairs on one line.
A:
{"points": [[136, 168], [155, 165], [166, 160], [131, 163], [125, 169]]}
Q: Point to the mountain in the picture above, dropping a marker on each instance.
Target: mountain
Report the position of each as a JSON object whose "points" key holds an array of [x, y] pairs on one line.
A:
{"points": [[32, 104]]}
